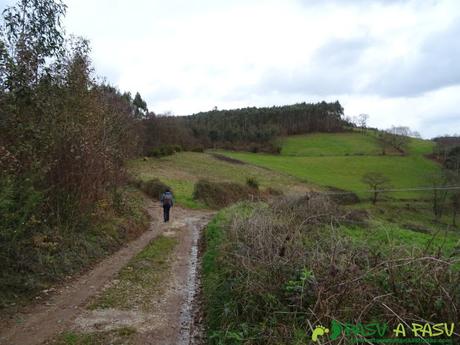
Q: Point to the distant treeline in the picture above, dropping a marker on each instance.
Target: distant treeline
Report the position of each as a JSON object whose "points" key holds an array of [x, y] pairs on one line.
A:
{"points": [[252, 129]]}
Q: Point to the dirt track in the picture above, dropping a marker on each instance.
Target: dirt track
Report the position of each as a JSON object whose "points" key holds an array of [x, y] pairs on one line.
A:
{"points": [[170, 322]]}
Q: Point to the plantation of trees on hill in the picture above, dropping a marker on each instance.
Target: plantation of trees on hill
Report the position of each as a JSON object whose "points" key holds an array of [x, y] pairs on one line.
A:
{"points": [[252, 129]]}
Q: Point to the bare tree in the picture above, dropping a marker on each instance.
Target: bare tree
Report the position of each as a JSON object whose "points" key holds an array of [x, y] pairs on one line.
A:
{"points": [[395, 137], [384, 141], [455, 203], [452, 161], [439, 180], [376, 181], [400, 130], [415, 134], [362, 121]]}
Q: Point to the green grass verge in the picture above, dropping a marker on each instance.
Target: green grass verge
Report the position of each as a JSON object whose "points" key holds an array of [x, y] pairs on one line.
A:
{"points": [[121, 336], [409, 214], [215, 295], [143, 276], [386, 235], [216, 288]]}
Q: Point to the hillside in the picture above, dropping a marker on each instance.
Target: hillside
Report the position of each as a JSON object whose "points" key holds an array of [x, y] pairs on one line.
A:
{"points": [[318, 145], [182, 170], [333, 268], [340, 160], [252, 128]]}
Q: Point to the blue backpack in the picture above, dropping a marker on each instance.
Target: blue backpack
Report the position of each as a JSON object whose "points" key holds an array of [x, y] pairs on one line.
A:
{"points": [[167, 199]]}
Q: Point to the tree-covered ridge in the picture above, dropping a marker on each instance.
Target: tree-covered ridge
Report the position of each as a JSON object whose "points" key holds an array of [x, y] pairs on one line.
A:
{"points": [[246, 128]]}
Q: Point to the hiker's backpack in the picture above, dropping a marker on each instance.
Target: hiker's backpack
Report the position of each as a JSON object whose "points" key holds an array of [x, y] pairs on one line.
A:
{"points": [[167, 199]]}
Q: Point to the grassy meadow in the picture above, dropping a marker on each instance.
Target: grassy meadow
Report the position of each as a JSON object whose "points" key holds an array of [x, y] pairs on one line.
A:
{"points": [[320, 144], [182, 170], [340, 160]]}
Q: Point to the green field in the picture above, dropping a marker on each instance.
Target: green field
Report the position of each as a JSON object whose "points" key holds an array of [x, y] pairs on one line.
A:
{"points": [[339, 144], [338, 160], [182, 170]]}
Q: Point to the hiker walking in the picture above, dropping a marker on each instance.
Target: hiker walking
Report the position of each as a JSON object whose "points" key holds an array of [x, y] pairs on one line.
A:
{"points": [[167, 202]]}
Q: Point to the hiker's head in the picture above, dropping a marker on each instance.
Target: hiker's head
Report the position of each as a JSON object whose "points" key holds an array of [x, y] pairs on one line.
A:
{"points": [[167, 190]]}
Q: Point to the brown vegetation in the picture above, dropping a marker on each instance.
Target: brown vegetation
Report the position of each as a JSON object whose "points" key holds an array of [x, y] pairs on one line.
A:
{"points": [[220, 194], [289, 266], [64, 137]]}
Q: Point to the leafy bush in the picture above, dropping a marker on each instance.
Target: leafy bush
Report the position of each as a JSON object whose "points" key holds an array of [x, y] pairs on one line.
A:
{"points": [[178, 148], [154, 188], [154, 153], [164, 150]]}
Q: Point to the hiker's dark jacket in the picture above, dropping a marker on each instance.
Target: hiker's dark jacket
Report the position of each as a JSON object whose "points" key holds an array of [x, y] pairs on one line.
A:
{"points": [[167, 195]]}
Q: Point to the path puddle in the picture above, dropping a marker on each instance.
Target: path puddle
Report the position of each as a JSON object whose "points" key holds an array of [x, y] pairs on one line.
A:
{"points": [[191, 328]]}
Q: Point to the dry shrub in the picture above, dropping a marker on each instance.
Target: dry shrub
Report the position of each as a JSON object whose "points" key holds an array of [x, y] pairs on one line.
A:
{"points": [[264, 243], [361, 283], [272, 236], [288, 265], [221, 194], [308, 210], [274, 191], [154, 188]]}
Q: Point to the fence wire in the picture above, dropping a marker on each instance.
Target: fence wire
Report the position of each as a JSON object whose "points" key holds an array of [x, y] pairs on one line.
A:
{"points": [[392, 190]]}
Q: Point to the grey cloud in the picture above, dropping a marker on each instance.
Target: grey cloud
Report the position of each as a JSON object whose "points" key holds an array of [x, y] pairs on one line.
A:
{"points": [[434, 66], [440, 124], [108, 73], [359, 3], [333, 70], [337, 54], [366, 2], [336, 68]]}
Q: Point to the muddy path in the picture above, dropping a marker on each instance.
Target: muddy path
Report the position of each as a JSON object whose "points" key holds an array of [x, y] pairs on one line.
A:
{"points": [[169, 322]]}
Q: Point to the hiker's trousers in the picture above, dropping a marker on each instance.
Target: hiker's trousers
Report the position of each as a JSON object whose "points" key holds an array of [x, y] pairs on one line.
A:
{"points": [[166, 209]]}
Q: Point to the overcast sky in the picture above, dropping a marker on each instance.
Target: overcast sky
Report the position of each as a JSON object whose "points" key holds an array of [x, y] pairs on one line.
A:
{"points": [[398, 61]]}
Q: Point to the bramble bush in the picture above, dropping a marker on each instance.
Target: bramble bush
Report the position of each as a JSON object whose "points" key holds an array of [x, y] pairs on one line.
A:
{"points": [[274, 271]]}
